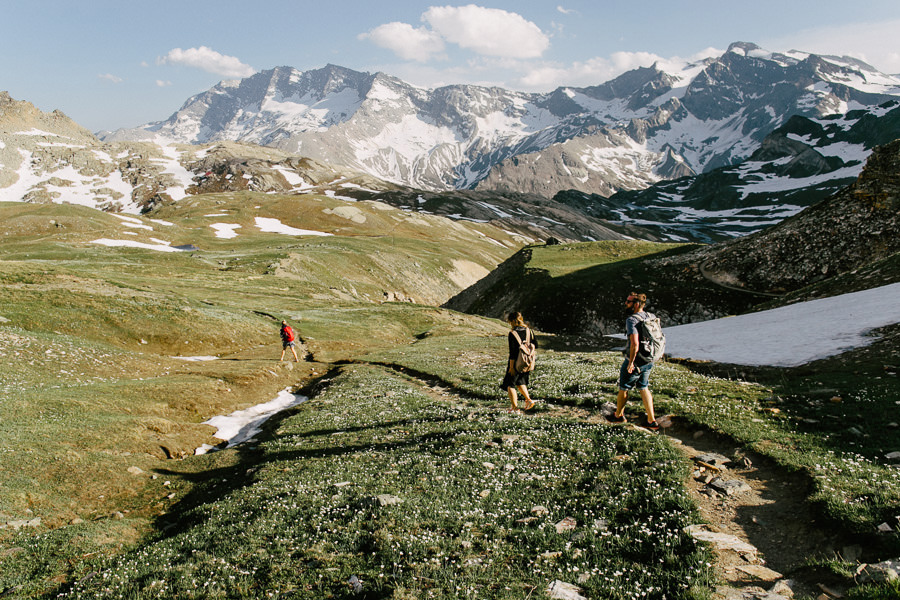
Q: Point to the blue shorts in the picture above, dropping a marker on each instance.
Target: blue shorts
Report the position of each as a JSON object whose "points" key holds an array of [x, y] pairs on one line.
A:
{"points": [[638, 379]]}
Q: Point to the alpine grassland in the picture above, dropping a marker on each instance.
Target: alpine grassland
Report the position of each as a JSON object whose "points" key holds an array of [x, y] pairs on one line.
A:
{"points": [[401, 475]]}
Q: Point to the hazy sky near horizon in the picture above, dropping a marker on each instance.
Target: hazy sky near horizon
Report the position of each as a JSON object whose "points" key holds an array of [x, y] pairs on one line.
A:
{"points": [[110, 64]]}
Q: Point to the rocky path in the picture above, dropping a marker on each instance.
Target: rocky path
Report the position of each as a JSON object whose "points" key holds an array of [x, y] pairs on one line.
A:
{"points": [[756, 515], [758, 521]]}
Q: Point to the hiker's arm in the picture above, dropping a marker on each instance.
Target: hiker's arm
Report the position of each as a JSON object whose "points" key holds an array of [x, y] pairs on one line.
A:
{"points": [[632, 350]]}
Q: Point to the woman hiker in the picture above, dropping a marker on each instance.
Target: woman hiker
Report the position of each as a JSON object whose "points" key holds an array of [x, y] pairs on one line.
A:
{"points": [[513, 380]]}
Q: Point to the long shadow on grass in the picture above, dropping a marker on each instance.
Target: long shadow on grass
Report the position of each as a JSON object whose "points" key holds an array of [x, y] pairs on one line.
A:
{"points": [[214, 484]]}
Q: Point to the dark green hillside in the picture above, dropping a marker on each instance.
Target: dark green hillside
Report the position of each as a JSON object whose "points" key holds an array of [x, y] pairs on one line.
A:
{"points": [[578, 289]]}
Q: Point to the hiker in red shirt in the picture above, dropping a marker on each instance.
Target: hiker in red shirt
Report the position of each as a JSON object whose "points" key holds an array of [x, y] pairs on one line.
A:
{"points": [[287, 340]]}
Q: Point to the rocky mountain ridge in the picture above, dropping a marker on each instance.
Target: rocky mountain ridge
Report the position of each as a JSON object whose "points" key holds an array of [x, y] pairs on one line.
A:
{"points": [[641, 127], [49, 158], [800, 163], [856, 227]]}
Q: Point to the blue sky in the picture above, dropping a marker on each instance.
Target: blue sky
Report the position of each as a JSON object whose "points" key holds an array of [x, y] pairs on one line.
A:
{"points": [[110, 64]]}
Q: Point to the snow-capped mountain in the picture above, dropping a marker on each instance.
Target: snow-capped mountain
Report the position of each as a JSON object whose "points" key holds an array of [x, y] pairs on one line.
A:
{"points": [[48, 158], [631, 132], [800, 163]]}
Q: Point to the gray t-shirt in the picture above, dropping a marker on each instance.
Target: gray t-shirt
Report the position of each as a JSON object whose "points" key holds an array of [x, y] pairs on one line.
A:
{"points": [[632, 321]]}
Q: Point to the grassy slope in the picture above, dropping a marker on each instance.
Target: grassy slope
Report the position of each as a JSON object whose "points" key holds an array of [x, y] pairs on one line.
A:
{"points": [[109, 395], [89, 333]]}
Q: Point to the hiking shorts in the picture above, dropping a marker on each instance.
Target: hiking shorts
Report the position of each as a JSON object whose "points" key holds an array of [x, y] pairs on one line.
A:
{"points": [[639, 379], [287, 344]]}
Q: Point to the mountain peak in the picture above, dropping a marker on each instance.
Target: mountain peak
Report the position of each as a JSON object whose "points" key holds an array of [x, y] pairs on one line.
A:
{"points": [[743, 48]]}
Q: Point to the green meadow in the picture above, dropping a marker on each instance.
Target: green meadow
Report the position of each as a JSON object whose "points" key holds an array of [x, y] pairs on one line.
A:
{"points": [[401, 476]]}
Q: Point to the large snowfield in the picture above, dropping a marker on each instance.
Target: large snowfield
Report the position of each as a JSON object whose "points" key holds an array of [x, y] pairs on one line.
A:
{"points": [[791, 335]]}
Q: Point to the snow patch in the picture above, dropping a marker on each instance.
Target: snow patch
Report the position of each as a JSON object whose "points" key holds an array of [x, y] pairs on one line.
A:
{"points": [[268, 225], [240, 426], [831, 325]]}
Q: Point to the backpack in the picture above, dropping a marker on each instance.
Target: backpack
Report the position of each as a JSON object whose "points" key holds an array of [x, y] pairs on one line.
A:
{"points": [[527, 352], [287, 334], [651, 339]]}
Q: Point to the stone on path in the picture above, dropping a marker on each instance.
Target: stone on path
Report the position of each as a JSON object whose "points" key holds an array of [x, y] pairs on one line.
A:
{"points": [[760, 572], [729, 486], [712, 458], [722, 541], [747, 593]]}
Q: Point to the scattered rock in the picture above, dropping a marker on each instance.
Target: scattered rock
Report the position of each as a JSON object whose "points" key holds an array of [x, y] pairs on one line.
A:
{"points": [[484, 493], [388, 500], [893, 456], [884, 528], [560, 590], [539, 511], [747, 593], [550, 555], [784, 588], [729, 487], [355, 584], [722, 541], [343, 484], [135, 470], [567, 524], [888, 570], [760, 572], [19, 524], [711, 458]]}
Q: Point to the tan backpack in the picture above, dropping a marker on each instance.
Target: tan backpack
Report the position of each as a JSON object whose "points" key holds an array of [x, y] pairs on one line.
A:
{"points": [[527, 352]]}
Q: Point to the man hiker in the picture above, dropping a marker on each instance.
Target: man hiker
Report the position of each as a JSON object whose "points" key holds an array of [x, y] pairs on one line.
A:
{"points": [[287, 340], [635, 370]]}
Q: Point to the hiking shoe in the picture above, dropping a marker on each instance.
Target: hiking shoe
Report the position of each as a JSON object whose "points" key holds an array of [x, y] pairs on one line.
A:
{"points": [[651, 425], [614, 419]]}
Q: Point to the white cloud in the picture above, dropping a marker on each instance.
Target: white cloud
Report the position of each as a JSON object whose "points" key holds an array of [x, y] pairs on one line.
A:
{"points": [[485, 31], [209, 60], [406, 41], [488, 31], [565, 11], [110, 77], [161, 83], [874, 43]]}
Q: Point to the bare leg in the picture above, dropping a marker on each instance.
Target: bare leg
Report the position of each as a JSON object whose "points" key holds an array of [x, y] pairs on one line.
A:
{"points": [[529, 403], [512, 398], [621, 398], [282, 354], [647, 398], [295, 354]]}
